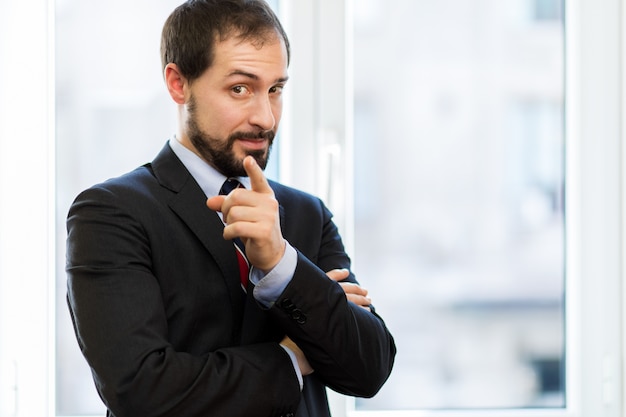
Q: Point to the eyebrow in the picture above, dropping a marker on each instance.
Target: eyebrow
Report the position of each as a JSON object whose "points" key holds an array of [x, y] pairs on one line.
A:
{"points": [[255, 77]]}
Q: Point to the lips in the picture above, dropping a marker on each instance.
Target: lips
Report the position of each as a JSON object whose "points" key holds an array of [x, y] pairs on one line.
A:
{"points": [[258, 143]]}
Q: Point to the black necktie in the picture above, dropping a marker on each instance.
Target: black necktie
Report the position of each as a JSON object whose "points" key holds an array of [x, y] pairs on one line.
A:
{"points": [[244, 267], [229, 185]]}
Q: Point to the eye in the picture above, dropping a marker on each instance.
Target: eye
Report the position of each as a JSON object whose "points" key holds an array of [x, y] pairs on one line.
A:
{"points": [[277, 89], [239, 90]]}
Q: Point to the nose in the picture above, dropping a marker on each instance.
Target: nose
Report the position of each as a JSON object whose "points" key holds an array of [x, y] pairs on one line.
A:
{"points": [[262, 114]]}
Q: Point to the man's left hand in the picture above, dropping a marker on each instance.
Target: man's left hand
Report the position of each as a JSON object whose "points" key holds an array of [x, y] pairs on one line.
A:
{"points": [[354, 292]]}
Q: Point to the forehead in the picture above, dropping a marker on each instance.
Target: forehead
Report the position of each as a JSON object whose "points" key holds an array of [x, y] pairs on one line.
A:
{"points": [[266, 58]]}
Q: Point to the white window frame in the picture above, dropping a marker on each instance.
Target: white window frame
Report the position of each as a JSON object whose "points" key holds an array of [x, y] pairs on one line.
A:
{"points": [[320, 129], [27, 202], [317, 137]]}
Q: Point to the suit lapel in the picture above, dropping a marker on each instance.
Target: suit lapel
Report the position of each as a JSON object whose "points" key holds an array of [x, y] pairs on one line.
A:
{"points": [[189, 203]]}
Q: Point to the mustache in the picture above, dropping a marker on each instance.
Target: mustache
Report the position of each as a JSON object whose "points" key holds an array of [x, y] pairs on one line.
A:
{"points": [[265, 134]]}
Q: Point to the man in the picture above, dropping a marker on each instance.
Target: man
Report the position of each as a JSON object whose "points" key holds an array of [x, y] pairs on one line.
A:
{"points": [[158, 289]]}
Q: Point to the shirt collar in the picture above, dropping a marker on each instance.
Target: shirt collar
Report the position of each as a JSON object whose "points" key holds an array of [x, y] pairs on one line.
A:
{"points": [[208, 178]]}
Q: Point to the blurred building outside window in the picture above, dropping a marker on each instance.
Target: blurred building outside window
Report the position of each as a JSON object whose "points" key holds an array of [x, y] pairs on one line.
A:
{"points": [[459, 217]]}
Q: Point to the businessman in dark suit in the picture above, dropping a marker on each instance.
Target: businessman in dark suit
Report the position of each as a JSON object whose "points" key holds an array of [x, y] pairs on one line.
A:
{"points": [[172, 320]]}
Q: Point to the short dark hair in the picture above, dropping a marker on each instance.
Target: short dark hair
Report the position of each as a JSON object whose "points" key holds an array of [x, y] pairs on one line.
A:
{"points": [[191, 31]]}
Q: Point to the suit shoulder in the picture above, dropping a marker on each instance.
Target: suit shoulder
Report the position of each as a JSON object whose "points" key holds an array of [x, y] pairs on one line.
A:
{"points": [[132, 188], [296, 205], [129, 182], [286, 194]]}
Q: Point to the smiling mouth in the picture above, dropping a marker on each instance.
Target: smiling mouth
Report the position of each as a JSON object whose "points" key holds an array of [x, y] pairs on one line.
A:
{"points": [[248, 139], [253, 143]]}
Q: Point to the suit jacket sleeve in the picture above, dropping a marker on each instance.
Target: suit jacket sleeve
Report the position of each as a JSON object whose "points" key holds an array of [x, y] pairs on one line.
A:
{"points": [[350, 348], [118, 307]]}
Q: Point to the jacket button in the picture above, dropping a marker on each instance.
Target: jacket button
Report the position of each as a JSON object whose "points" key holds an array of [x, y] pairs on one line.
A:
{"points": [[287, 304], [298, 316]]}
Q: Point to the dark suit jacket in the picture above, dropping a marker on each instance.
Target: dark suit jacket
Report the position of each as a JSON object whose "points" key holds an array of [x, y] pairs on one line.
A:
{"points": [[154, 295]]}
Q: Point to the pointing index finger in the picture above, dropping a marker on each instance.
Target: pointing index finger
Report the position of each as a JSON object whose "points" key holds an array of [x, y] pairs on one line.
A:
{"points": [[258, 182]]}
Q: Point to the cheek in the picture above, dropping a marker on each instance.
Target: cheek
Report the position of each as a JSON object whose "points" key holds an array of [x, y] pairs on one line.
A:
{"points": [[230, 115], [220, 120], [277, 110]]}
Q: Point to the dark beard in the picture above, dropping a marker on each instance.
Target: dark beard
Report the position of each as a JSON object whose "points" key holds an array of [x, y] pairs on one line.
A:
{"points": [[219, 154]]}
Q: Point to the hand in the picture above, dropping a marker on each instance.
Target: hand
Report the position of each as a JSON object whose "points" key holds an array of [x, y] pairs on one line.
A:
{"points": [[354, 292], [253, 216], [303, 363]]}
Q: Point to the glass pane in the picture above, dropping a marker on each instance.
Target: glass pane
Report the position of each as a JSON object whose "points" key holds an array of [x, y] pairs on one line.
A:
{"points": [[113, 114], [459, 198]]}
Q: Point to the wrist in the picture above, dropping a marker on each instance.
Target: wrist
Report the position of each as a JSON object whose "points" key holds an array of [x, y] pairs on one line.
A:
{"points": [[277, 259]]}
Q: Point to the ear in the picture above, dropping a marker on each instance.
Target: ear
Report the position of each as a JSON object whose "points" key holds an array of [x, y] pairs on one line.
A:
{"points": [[176, 83]]}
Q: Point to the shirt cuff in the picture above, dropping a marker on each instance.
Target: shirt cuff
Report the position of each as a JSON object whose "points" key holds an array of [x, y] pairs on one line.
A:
{"points": [[269, 287], [294, 362]]}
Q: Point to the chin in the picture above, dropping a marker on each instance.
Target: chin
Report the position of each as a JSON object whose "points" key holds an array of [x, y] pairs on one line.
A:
{"points": [[261, 157]]}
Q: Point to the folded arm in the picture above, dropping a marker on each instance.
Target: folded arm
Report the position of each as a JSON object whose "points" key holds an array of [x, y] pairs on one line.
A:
{"points": [[147, 355]]}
